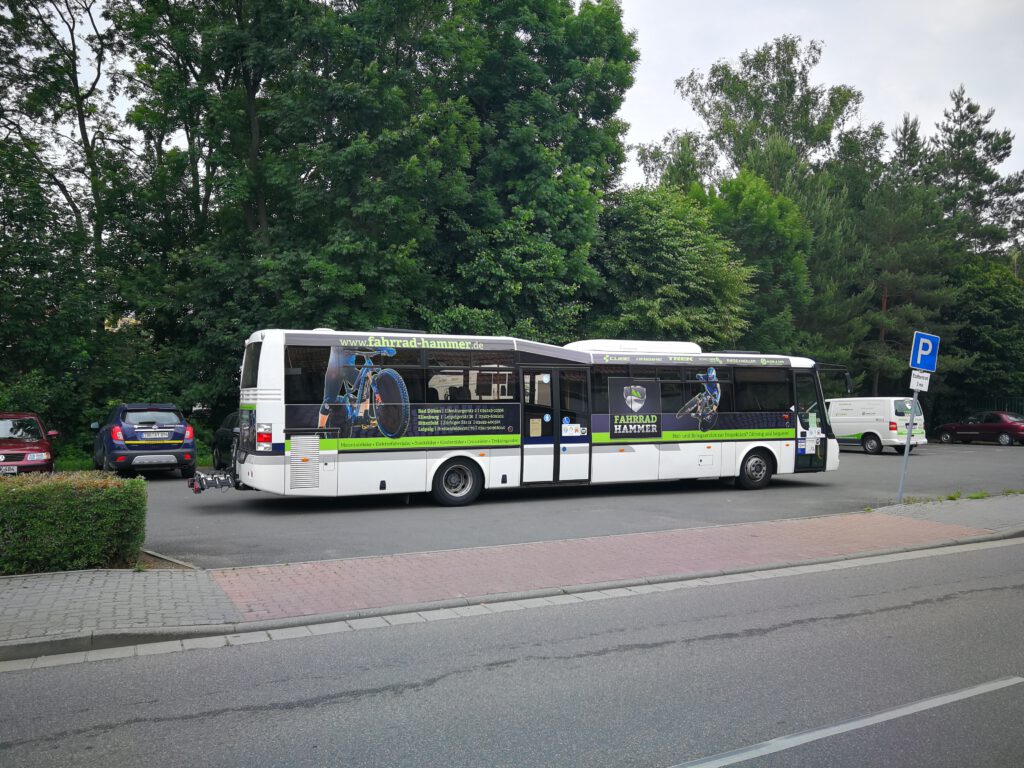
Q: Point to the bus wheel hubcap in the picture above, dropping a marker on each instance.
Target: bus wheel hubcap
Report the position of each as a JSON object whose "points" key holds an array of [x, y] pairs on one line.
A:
{"points": [[457, 481], [757, 468]]}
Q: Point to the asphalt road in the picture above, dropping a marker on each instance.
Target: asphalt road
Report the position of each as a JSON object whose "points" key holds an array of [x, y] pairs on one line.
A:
{"points": [[233, 528], [654, 680]]}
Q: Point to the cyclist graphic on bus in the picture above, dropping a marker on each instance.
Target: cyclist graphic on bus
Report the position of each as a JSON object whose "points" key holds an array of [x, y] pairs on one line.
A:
{"points": [[376, 399], [704, 405]]}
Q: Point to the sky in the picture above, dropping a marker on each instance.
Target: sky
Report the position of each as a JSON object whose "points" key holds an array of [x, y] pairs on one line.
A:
{"points": [[905, 56]]}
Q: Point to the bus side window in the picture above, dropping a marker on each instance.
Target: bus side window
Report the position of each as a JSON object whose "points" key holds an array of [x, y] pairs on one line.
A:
{"points": [[762, 390], [671, 396], [599, 384]]}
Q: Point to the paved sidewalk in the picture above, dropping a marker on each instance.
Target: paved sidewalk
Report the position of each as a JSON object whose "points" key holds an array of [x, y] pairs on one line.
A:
{"points": [[61, 612]]}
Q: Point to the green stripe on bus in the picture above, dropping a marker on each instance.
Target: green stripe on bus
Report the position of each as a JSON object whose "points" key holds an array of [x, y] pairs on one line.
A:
{"points": [[696, 436], [247, 407], [405, 443]]}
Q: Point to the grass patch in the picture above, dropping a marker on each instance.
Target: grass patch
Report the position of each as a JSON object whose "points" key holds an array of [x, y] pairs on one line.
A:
{"points": [[978, 495], [1013, 491], [920, 499], [954, 496]]}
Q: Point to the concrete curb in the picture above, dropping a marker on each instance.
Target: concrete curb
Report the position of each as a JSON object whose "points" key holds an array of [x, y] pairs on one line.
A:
{"points": [[114, 638]]}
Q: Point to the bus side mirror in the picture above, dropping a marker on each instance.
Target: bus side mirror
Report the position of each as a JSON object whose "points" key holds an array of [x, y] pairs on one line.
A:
{"points": [[849, 382]]}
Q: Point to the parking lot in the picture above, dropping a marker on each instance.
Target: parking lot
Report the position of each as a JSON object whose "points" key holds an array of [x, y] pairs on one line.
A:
{"points": [[233, 528]]}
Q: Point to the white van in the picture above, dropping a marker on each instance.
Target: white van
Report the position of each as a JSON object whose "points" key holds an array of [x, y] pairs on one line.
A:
{"points": [[875, 422]]}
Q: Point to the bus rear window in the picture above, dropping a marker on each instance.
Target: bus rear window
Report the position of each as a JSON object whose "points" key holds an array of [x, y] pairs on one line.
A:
{"points": [[251, 365]]}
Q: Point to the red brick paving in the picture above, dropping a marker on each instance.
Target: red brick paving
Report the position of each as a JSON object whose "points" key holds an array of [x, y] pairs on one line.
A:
{"points": [[280, 591]]}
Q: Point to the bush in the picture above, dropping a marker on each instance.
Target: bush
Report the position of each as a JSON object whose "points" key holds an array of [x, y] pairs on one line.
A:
{"points": [[70, 521]]}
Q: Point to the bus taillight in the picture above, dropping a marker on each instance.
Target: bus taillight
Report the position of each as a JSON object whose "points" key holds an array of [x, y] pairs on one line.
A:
{"points": [[892, 426], [264, 437]]}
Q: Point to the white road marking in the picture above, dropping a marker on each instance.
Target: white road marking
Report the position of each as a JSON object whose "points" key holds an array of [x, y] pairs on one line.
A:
{"points": [[797, 739]]}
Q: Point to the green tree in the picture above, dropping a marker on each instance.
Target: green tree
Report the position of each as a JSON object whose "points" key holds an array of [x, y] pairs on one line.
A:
{"points": [[769, 92], [666, 274], [964, 164], [682, 158], [772, 237], [981, 208], [546, 88]]}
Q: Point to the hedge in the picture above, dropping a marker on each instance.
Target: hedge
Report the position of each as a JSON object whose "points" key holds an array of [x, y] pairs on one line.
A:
{"points": [[70, 521]]}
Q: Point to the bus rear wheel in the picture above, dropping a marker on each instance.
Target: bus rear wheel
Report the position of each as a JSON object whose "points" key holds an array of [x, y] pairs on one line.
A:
{"points": [[755, 471], [457, 483]]}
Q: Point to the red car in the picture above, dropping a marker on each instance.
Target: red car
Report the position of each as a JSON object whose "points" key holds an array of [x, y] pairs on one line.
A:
{"points": [[1000, 427], [24, 444]]}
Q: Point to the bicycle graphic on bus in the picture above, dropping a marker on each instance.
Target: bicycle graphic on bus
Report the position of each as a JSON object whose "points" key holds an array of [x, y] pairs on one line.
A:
{"points": [[704, 405], [375, 399]]}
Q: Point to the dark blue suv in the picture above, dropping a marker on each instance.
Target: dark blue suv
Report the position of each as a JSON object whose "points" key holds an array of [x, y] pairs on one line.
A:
{"points": [[141, 436]]}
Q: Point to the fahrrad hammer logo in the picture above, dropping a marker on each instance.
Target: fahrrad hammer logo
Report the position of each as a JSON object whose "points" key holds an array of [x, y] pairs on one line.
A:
{"points": [[635, 397]]}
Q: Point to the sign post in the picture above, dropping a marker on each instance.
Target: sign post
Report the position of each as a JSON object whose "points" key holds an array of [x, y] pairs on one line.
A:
{"points": [[924, 358]]}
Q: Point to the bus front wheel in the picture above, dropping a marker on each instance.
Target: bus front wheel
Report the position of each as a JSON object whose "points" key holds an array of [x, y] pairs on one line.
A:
{"points": [[755, 471], [458, 483]]}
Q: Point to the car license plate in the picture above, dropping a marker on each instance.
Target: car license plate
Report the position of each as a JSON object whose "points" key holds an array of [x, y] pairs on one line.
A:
{"points": [[8, 470], [157, 435]]}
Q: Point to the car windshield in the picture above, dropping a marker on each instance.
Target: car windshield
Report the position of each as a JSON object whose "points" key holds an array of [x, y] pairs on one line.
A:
{"points": [[1014, 417], [904, 405], [153, 418], [20, 429]]}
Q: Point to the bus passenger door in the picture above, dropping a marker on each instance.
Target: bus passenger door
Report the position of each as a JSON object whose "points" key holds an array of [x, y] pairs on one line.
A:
{"points": [[556, 425], [573, 428], [811, 432], [539, 442]]}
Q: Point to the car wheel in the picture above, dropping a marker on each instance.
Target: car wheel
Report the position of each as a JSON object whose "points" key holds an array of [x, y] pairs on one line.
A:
{"points": [[217, 462], [755, 471], [458, 483], [872, 444], [96, 463], [1005, 438], [945, 437]]}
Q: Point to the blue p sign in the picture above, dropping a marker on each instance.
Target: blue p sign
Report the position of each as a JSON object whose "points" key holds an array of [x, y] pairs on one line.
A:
{"points": [[924, 353]]}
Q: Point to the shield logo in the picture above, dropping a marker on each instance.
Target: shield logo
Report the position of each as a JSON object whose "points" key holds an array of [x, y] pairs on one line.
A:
{"points": [[635, 396]]}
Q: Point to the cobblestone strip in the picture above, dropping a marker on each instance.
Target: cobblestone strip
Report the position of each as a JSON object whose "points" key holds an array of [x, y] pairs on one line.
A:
{"points": [[282, 591], [49, 604]]}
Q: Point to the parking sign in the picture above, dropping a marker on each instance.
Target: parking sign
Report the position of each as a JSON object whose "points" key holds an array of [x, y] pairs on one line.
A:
{"points": [[924, 352]]}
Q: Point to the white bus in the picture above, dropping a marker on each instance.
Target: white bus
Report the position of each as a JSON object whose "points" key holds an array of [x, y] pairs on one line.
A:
{"points": [[332, 413]]}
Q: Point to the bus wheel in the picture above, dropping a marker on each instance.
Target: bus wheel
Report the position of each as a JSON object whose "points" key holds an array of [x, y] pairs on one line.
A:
{"points": [[755, 471], [458, 483], [871, 444]]}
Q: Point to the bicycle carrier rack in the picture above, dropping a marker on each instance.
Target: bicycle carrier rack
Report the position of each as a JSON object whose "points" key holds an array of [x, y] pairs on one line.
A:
{"points": [[202, 481]]}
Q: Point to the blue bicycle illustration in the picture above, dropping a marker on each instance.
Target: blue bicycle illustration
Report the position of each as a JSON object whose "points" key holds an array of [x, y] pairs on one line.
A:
{"points": [[704, 405], [376, 399]]}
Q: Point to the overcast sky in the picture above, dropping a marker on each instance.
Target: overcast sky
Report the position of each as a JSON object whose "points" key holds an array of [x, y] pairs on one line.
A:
{"points": [[903, 55]]}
